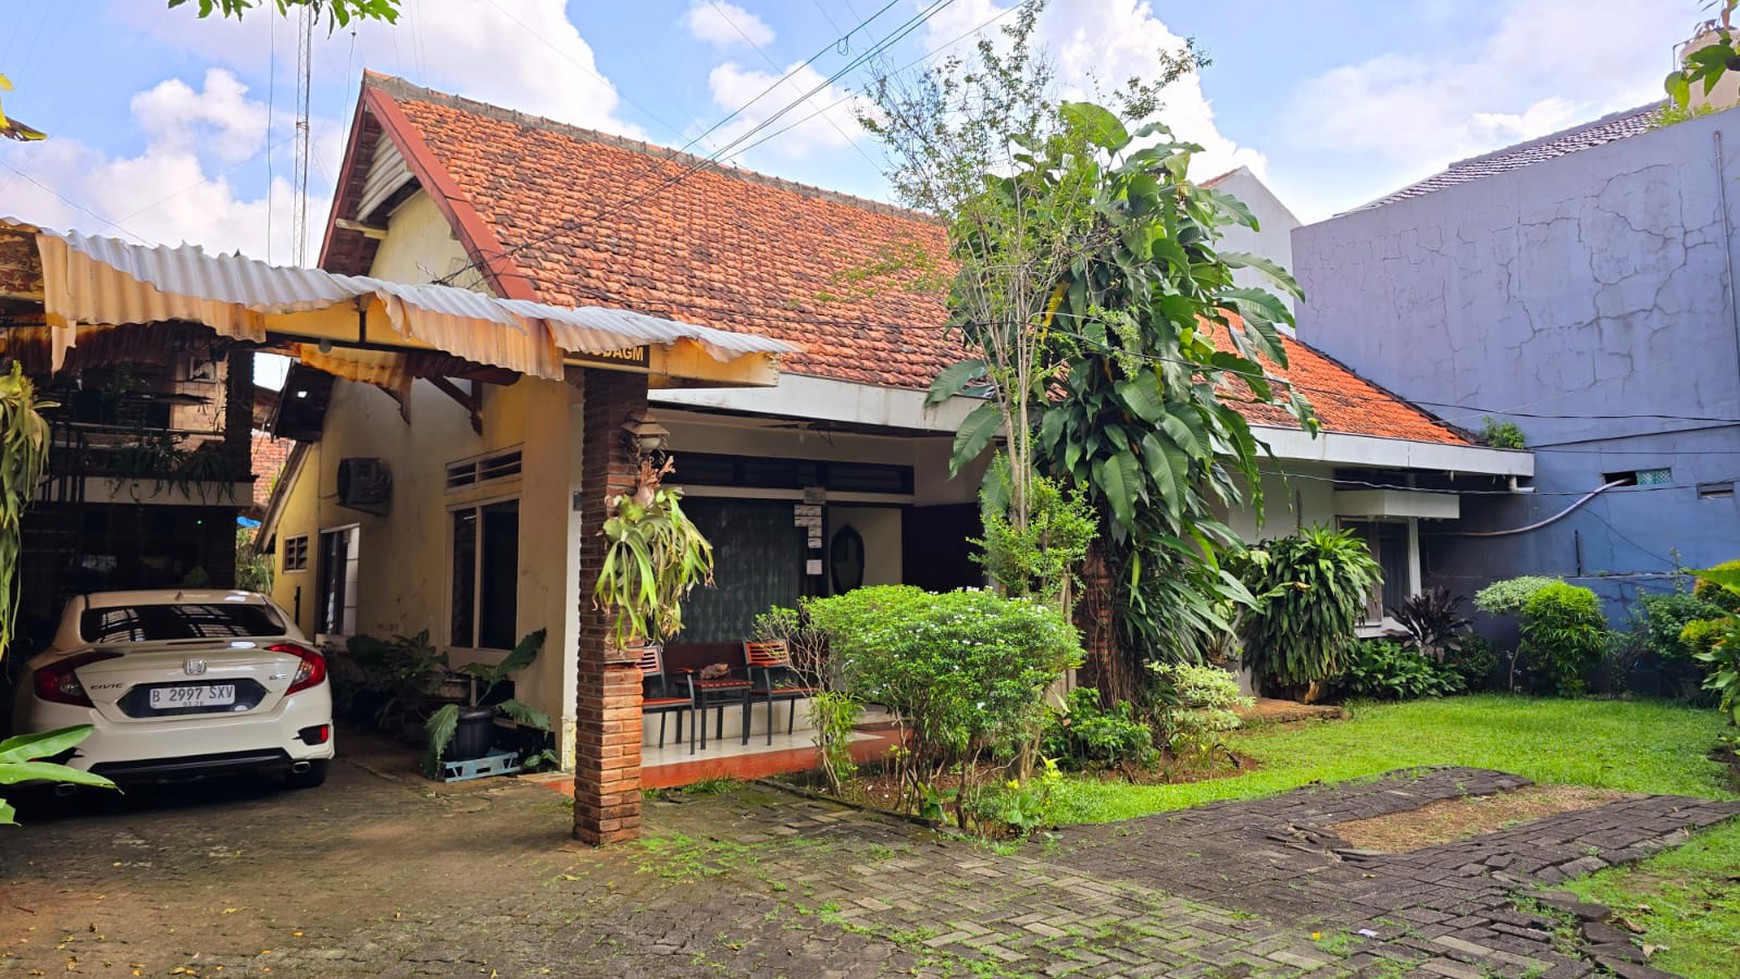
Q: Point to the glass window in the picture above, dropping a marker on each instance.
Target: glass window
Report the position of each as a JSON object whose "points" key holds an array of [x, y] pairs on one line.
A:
{"points": [[486, 569], [158, 623], [336, 613]]}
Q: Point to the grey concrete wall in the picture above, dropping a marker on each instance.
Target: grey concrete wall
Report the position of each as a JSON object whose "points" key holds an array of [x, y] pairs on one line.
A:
{"points": [[1559, 296]]}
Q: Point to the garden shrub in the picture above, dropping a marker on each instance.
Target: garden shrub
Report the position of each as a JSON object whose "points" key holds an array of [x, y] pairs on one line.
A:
{"points": [[1718, 640], [1198, 705], [1714, 592], [1084, 734], [1381, 669], [1663, 619], [1564, 633], [1475, 663], [966, 671], [1508, 597], [1311, 591]]}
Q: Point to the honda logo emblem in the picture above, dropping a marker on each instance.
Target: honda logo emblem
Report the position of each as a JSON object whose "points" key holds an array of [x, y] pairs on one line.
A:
{"points": [[193, 667]]}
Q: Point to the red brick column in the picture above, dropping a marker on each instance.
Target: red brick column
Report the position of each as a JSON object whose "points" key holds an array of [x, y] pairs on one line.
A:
{"points": [[607, 720]]}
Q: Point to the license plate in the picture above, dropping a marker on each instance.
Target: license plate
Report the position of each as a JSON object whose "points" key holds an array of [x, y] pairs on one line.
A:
{"points": [[208, 695]]}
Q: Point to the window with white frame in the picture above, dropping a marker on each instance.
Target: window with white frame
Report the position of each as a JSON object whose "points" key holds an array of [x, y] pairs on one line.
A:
{"points": [[335, 610], [295, 556], [485, 575]]}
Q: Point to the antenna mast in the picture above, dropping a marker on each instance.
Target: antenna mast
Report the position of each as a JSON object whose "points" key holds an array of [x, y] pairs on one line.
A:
{"points": [[299, 181]]}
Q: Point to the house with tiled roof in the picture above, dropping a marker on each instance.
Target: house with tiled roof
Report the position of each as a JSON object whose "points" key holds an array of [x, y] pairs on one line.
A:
{"points": [[832, 478], [1579, 286]]}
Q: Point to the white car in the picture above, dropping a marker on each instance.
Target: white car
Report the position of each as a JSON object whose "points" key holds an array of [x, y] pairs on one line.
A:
{"points": [[181, 685]]}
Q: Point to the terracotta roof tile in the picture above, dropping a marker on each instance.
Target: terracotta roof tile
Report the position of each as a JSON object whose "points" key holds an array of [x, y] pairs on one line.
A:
{"points": [[594, 219]]}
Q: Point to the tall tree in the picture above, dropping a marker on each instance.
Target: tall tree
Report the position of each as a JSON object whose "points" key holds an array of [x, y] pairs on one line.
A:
{"points": [[1110, 338], [948, 131]]}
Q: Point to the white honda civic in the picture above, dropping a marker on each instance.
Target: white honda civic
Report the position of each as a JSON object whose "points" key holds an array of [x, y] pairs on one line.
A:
{"points": [[181, 685]]}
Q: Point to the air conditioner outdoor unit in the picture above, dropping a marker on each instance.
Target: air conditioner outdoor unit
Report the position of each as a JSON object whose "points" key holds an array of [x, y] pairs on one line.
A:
{"points": [[364, 484]]}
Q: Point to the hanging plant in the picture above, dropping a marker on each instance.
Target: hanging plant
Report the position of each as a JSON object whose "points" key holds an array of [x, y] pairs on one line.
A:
{"points": [[653, 558], [24, 441]]}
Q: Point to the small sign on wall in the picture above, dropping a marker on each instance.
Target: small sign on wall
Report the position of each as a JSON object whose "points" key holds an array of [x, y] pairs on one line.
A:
{"points": [[815, 494], [813, 566]]}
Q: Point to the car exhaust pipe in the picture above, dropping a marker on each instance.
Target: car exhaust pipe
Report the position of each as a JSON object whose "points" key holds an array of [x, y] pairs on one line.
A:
{"points": [[65, 790], [299, 767]]}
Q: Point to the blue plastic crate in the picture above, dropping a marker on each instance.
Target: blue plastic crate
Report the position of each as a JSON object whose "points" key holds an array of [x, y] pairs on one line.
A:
{"points": [[497, 764]]}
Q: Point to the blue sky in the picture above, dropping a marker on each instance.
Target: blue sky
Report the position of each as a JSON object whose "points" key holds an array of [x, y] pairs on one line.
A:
{"points": [[168, 128]]}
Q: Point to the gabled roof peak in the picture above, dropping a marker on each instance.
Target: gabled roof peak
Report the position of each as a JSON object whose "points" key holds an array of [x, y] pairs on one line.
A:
{"points": [[400, 89]]}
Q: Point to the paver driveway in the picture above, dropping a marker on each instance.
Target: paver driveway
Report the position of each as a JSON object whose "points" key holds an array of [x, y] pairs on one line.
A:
{"points": [[383, 875]]}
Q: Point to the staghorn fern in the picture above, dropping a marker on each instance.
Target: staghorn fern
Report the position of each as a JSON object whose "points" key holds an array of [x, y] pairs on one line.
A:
{"points": [[24, 443]]}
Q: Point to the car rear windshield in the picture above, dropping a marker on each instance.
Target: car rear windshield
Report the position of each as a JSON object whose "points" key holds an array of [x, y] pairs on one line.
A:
{"points": [[159, 623]]}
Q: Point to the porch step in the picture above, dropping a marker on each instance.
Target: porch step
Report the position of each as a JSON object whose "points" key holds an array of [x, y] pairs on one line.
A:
{"points": [[463, 771]]}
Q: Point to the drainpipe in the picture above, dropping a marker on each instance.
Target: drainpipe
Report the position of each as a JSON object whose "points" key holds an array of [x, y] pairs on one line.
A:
{"points": [[1727, 242], [1537, 525]]}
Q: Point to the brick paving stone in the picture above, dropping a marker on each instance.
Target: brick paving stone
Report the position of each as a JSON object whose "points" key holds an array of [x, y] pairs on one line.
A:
{"points": [[393, 878]]}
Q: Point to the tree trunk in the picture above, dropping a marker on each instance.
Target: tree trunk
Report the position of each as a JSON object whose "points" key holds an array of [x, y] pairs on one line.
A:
{"points": [[1118, 673]]}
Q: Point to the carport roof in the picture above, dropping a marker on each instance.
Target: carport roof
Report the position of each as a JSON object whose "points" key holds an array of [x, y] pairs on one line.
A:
{"points": [[93, 284]]}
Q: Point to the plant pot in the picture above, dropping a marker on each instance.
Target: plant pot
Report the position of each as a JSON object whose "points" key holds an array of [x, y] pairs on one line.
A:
{"points": [[475, 734]]}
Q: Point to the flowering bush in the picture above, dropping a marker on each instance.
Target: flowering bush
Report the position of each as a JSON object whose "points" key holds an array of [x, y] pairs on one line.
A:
{"points": [[1200, 705]]}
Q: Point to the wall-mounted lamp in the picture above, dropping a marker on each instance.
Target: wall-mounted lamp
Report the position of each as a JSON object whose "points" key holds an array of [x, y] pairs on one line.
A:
{"points": [[643, 436]]}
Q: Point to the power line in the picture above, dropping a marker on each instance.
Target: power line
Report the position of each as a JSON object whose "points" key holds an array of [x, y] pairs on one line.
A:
{"points": [[775, 66], [72, 203]]}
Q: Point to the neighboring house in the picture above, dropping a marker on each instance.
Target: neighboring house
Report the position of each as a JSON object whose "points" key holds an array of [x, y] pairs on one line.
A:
{"points": [[836, 477], [148, 459], [268, 456], [1273, 237], [1581, 286]]}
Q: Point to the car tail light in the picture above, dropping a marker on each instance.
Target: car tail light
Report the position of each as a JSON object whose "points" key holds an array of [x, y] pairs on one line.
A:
{"points": [[310, 673], [58, 683]]}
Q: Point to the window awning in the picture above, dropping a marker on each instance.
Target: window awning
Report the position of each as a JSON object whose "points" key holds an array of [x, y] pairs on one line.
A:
{"points": [[93, 284]]}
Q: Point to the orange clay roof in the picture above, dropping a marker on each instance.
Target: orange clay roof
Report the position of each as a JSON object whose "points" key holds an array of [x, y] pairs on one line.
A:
{"points": [[575, 217]]}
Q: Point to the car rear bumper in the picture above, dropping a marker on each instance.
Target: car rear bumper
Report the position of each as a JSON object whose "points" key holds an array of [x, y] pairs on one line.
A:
{"points": [[271, 762], [158, 744]]}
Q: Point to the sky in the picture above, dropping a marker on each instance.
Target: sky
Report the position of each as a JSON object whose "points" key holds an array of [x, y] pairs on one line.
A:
{"points": [[168, 128]]}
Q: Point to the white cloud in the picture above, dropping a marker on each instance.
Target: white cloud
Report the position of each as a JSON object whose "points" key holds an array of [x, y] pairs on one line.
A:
{"points": [[726, 25], [817, 123], [1104, 43], [170, 192], [521, 54], [172, 114], [1547, 64]]}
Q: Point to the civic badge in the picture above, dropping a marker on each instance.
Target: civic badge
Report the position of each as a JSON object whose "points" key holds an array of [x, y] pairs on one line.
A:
{"points": [[193, 667]]}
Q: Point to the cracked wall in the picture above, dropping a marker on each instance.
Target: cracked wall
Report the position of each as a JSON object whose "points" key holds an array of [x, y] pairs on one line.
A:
{"points": [[1592, 289]]}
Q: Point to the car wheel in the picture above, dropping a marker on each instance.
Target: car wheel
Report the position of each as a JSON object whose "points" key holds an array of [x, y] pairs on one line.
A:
{"points": [[314, 776]]}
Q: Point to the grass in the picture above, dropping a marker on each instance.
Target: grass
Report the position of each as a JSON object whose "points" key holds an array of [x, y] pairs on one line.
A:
{"points": [[1687, 899], [1624, 745]]}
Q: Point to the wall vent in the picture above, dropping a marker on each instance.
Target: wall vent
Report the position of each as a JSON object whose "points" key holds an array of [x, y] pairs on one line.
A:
{"points": [[483, 469]]}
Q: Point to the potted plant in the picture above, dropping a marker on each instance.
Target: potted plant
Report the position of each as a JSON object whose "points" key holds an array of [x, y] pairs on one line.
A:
{"points": [[463, 733], [653, 558]]}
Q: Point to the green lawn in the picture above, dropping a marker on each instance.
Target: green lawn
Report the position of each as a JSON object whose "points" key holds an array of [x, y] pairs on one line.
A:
{"points": [[1635, 747], [1687, 899]]}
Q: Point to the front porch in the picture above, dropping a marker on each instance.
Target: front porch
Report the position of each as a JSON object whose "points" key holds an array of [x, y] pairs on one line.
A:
{"points": [[674, 765]]}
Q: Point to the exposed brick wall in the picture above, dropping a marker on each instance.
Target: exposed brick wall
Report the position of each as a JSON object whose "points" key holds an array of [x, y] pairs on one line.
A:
{"points": [[269, 456], [607, 722]]}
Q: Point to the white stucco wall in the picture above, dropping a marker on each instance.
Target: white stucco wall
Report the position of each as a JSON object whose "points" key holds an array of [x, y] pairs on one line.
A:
{"points": [[1273, 238]]}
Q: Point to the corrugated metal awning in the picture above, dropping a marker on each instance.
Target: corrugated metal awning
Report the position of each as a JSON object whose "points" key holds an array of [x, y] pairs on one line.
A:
{"points": [[92, 284]]}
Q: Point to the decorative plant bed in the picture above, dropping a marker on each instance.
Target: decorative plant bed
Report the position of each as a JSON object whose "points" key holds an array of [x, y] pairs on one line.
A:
{"points": [[502, 763]]}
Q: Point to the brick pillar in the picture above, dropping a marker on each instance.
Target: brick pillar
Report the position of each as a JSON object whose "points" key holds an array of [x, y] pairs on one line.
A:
{"points": [[607, 703]]}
